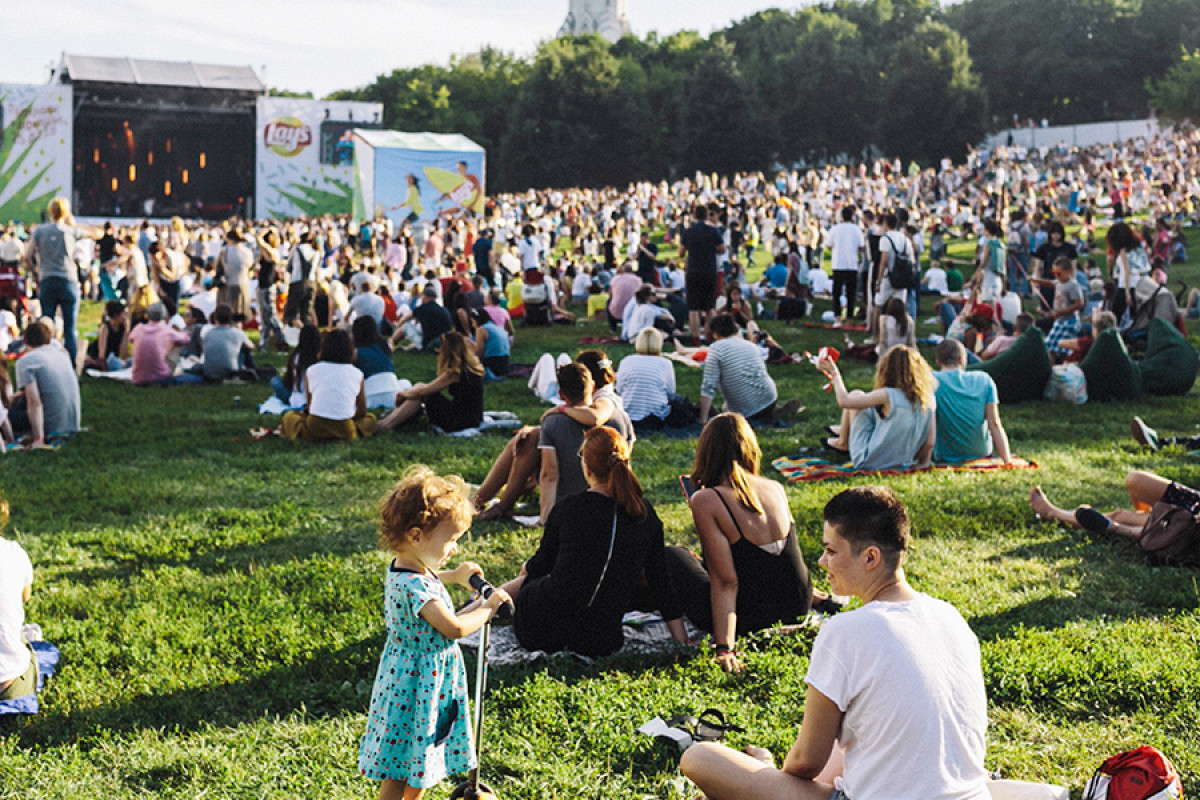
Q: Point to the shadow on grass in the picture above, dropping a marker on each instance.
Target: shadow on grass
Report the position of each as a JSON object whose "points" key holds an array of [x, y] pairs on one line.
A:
{"points": [[236, 558], [334, 681], [1113, 581]]}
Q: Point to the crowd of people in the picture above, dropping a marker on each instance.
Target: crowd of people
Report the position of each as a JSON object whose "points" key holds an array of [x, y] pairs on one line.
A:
{"points": [[339, 296]]}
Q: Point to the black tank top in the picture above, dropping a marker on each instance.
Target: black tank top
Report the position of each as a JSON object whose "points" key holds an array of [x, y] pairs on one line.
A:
{"points": [[772, 588]]}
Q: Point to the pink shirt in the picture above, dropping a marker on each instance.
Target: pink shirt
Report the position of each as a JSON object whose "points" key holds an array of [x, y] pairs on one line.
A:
{"points": [[150, 342], [499, 315]]}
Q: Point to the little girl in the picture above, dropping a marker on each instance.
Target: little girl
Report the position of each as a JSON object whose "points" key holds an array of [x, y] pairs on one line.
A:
{"points": [[418, 729]]}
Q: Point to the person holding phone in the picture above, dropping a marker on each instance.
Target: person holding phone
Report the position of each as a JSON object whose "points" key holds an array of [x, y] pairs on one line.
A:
{"points": [[752, 575]]}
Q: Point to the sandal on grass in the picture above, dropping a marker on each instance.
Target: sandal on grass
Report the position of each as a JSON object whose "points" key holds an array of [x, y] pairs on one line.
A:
{"points": [[1092, 520], [711, 726]]}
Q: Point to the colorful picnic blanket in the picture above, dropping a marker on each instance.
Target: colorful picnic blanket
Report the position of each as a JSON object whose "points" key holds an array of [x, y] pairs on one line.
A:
{"points": [[800, 468]]}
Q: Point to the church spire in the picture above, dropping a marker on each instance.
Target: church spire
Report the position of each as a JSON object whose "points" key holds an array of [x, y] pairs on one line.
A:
{"points": [[605, 17]]}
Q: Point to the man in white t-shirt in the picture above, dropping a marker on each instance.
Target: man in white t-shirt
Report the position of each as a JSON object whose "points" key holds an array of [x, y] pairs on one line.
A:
{"points": [[529, 248], [896, 707], [847, 244], [18, 670]]}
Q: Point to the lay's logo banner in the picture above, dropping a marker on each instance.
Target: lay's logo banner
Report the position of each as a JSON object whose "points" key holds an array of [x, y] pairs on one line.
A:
{"points": [[287, 136]]}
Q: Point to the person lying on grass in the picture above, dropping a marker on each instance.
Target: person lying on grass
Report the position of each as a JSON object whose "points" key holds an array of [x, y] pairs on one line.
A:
{"points": [[884, 682], [1144, 488]]}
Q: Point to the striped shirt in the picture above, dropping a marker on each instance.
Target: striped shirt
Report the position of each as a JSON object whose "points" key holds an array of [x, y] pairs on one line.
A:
{"points": [[735, 367], [646, 384]]}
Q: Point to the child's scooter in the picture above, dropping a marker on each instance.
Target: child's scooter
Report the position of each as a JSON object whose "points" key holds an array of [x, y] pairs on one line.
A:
{"points": [[471, 788]]}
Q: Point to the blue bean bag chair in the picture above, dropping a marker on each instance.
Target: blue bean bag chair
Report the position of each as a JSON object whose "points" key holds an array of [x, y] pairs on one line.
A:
{"points": [[1171, 363], [1110, 372], [1021, 371]]}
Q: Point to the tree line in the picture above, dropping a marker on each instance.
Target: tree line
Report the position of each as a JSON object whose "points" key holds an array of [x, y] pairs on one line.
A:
{"points": [[909, 78]]}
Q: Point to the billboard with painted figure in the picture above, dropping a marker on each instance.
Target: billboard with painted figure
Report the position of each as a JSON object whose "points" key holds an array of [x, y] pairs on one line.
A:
{"points": [[305, 155], [35, 149], [418, 176]]}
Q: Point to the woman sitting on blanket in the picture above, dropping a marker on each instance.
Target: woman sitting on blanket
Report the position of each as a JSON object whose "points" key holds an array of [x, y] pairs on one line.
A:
{"points": [[1144, 489], [18, 666], [892, 426], [516, 469], [597, 547], [752, 575], [459, 372], [336, 406]]}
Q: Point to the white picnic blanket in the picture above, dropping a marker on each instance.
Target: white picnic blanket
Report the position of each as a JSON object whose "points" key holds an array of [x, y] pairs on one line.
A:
{"points": [[491, 420]]}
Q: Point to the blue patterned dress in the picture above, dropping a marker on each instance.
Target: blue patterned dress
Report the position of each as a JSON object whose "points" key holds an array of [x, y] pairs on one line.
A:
{"points": [[418, 726]]}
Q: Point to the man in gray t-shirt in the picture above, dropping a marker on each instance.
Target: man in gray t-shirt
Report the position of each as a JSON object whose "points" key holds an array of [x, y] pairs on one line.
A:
{"points": [[223, 344], [50, 387], [561, 437]]}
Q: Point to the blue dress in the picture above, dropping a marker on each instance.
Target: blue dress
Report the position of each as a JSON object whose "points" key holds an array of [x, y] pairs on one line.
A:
{"points": [[418, 725]]}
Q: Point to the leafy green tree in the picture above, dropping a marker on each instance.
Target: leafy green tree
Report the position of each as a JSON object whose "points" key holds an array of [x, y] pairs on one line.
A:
{"points": [[1176, 95], [571, 123], [933, 105]]}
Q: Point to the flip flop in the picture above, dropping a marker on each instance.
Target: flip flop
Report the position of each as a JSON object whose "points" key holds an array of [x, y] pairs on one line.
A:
{"points": [[1092, 520], [828, 446]]}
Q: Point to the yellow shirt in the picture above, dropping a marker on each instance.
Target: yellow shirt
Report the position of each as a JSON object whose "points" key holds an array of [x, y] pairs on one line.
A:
{"points": [[597, 303]]}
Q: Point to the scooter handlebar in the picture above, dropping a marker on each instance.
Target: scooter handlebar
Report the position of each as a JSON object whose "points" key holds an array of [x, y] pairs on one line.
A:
{"points": [[485, 589]]}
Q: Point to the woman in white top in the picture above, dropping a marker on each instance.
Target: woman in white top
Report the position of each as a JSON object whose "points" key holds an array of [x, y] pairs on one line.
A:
{"points": [[646, 380], [337, 400], [871, 712], [18, 668]]}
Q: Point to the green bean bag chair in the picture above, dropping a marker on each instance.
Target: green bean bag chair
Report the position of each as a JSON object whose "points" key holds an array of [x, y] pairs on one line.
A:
{"points": [[1021, 371], [1171, 363], [1110, 372]]}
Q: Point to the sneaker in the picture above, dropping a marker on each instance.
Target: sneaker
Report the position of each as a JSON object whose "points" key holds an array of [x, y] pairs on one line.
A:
{"points": [[1143, 434]]}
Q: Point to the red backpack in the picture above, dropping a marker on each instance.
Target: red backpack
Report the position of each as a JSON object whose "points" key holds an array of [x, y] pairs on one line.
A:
{"points": [[1141, 774]]}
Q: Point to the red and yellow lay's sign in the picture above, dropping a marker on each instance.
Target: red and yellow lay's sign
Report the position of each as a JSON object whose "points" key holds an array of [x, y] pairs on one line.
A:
{"points": [[287, 136]]}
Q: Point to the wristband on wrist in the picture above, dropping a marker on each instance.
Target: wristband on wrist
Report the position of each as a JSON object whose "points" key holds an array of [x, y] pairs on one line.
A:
{"points": [[723, 648]]}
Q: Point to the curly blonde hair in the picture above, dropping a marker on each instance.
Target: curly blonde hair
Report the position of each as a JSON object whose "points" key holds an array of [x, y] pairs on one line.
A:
{"points": [[421, 501]]}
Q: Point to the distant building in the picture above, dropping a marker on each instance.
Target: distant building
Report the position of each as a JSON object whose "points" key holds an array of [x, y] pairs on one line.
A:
{"points": [[605, 17]]}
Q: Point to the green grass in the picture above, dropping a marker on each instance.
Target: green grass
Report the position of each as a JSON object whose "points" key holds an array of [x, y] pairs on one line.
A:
{"points": [[218, 602]]}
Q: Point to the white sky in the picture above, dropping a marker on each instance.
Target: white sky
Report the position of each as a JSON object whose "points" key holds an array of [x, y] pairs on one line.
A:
{"points": [[312, 45]]}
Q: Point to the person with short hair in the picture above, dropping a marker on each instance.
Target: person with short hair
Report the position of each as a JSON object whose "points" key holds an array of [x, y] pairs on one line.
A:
{"points": [[150, 343], [699, 245], [642, 312], [896, 707], [49, 402], [735, 367], [425, 325], [646, 381], [224, 344], [968, 410]]}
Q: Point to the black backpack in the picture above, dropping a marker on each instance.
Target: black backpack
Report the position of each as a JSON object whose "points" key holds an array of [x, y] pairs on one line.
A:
{"points": [[902, 274]]}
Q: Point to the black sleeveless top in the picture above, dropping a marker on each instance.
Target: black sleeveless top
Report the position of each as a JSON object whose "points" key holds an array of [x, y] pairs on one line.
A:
{"points": [[772, 588]]}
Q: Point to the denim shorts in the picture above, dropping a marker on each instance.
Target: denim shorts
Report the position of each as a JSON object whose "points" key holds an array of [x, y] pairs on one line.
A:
{"points": [[838, 795]]}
